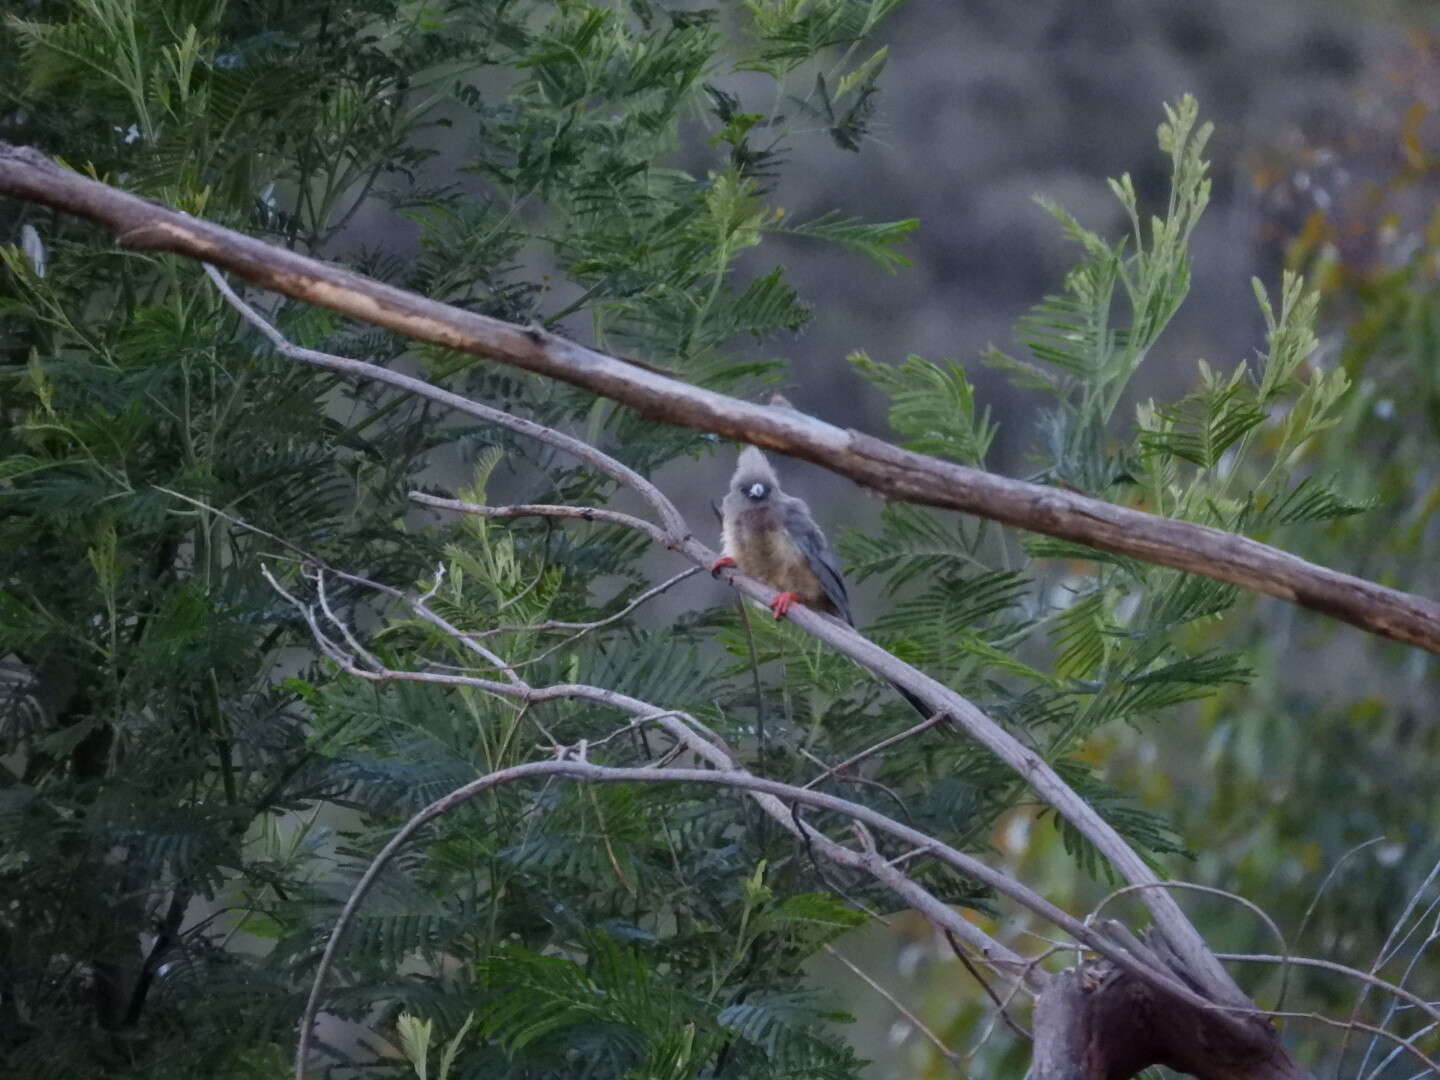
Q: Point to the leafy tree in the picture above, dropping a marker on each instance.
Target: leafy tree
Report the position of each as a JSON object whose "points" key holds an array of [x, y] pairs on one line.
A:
{"points": [[165, 731], [190, 741], [1328, 737]]}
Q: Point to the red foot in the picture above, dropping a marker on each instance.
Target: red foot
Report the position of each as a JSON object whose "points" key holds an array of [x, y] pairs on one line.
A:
{"points": [[781, 604], [722, 561]]}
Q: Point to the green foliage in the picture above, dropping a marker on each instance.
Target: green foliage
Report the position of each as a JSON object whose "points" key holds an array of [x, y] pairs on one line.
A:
{"points": [[911, 543], [1108, 638], [1074, 332], [1080, 639], [186, 790], [181, 771], [1328, 738], [414, 1035], [933, 406]]}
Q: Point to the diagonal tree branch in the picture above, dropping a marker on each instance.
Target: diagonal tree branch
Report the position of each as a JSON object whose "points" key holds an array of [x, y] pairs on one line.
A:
{"points": [[898, 474], [1170, 921], [1033, 769]]}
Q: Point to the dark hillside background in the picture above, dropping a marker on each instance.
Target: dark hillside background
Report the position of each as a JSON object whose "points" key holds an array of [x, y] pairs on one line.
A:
{"points": [[988, 104]]}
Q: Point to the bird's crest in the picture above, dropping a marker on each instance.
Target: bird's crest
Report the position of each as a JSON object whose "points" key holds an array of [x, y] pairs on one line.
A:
{"points": [[753, 466]]}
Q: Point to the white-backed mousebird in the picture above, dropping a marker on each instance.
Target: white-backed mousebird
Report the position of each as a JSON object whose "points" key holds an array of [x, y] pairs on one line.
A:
{"points": [[772, 537]]}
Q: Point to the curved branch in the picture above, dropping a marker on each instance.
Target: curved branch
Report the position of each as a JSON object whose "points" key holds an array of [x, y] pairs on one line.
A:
{"points": [[582, 770], [1034, 770], [349, 366], [1169, 919], [899, 474]]}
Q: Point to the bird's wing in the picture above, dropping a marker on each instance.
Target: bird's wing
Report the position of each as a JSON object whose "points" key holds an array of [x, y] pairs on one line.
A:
{"points": [[819, 556]]}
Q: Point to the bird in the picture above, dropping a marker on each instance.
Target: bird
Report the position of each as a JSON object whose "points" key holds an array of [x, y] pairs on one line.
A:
{"points": [[772, 537]]}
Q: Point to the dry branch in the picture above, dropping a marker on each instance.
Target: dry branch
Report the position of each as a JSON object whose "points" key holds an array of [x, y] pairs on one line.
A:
{"points": [[1032, 768], [1167, 987], [1170, 921], [897, 474]]}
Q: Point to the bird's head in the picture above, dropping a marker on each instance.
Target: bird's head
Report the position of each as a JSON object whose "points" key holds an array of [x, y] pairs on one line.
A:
{"points": [[754, 478]]}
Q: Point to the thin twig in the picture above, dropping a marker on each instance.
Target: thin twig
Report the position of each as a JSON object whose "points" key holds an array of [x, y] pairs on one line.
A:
{"points": [[552, 625], [975, 974], [1340, 969], [1385, 955], [582, 513], [915, 1022], [1329, 877], [1356, 1025], [884, 744]]}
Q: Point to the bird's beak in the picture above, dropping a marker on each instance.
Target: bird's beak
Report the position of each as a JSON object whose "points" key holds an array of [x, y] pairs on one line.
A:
{"points": [[755, 491]]}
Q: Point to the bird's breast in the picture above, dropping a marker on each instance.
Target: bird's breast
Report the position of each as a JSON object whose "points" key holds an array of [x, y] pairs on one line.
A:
{"points": [[761, 547]]}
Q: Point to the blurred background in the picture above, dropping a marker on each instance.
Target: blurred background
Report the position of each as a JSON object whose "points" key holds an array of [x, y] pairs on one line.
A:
{"points": [[986, 105]]}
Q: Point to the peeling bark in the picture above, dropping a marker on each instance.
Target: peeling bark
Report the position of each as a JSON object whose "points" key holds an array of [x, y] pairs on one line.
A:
{"points": [[1099, 1023]]}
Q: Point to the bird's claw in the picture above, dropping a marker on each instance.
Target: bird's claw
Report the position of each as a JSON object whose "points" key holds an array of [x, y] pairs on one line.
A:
{"points": [[782, 603], [719, 564]]}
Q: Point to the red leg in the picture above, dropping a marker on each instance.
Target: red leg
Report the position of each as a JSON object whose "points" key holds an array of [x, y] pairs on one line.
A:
{"points": [[722, 561], [781, 604]]}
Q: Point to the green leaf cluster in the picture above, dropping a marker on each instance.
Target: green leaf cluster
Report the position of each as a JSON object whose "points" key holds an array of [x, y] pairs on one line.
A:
{"points": [[1067, 641], [186, 790]]}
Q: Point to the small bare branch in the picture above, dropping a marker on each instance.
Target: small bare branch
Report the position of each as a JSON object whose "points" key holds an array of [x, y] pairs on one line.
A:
{"points": [[1366, 977], [914, 1021], [581, 513], [552, 625], [349, 366], [871, 751]]}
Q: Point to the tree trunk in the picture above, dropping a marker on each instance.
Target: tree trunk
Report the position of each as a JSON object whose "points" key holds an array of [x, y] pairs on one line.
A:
{"points": [[1099, 1023]]}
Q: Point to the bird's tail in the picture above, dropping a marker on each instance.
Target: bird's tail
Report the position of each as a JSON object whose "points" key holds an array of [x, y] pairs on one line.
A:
{"points": [[919, 706]]}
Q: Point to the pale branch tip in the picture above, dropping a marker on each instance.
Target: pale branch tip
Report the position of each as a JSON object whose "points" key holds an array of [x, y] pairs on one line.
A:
{"points": [[897, 474]]}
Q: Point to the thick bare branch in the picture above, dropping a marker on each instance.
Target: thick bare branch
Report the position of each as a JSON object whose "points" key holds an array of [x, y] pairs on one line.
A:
{"points": [[897, 474], [1169, 919]]}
